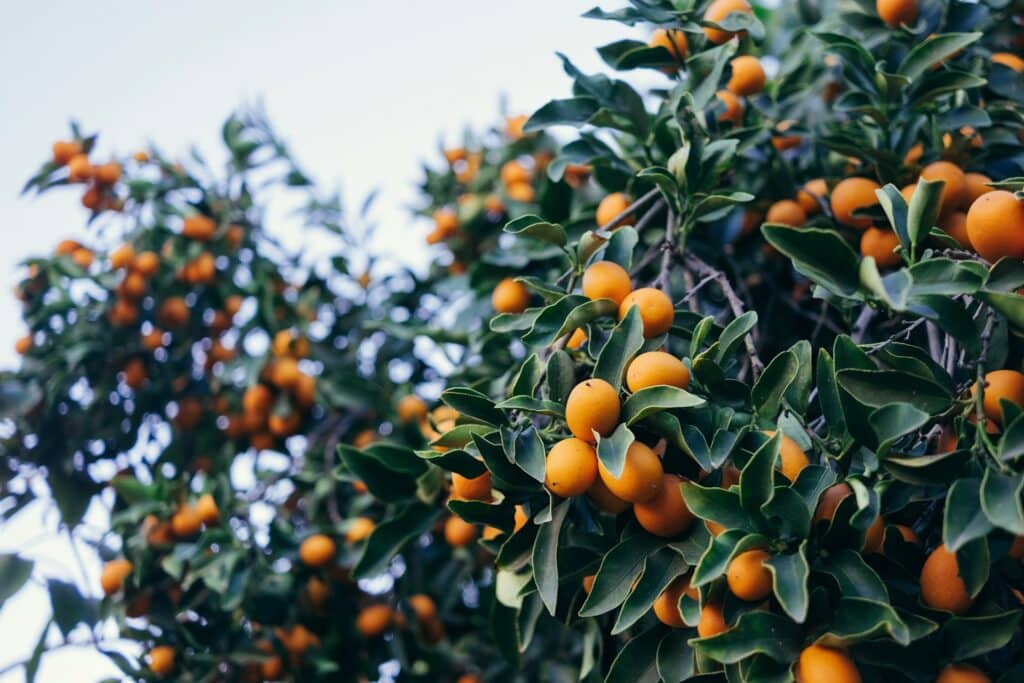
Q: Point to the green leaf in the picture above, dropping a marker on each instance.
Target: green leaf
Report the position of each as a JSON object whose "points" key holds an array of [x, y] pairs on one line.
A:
{"points": [[474, 404], [611, 450], [895, 208], [391, 534], [70, 607], [620, 566], [718, 505], [625, 341], [934, 50], [455, 460], [561, 376], [923, 212], [675, 658], [529, 404], [789, 581], [656, 399], [529, 453], [378, 472], [755, 632], [545, 557], [14, 572], [771, 386], [756, 477], [856, 619], [1002, 499], [821, 255], [853, 576], [525, 381], [662, 567], [879, 388], [733, 334], [967, 637], [537, 228], [964, 520], [892, 421], [637, 660], [620, 246], [574, 111]]}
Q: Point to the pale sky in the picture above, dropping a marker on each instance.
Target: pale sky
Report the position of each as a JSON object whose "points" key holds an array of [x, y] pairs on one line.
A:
{"points": [[361, 90]]}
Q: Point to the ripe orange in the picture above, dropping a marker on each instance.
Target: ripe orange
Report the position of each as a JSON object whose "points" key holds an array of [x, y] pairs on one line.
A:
{"points": [[304, 390], [672, 40], [514, 126], [520, 518], [655, 307], [23, 345], [411, 408], [198, 227], [317, 551], [190, 412], [641, 477], [875, 536], [186, 522], [852, 194], [513, 172], [297, 639], [656, 368], [134, 373], [611, 206], [712, 621], [908, 534], [79, 168], [606, 280], [1001, 384], [666, 607], [113, 575], [786, 212], [748, 77], [521, 192], [820, 664], [1009, 60], [977, 185], [359, 530], [605, 500], [733, 112], [577, 338], [161, 660], [459, 533], [955, 225], [593, 406], [995, 225], [880, 245], [954, 194], [65, 150], [82, 257], [830, 500], [962, 673], [748, 577], [374, 620], [718, 11], [897, 12], [446, 223], [174, 312], [147, 263], [108, 173], [792, 458], [588, 583], [122, 257], [257, 400], [423, 607], [666, 514], [208, 511], [571, 467], [477, 488], [510, 296], [810, 194], [941, 585]]}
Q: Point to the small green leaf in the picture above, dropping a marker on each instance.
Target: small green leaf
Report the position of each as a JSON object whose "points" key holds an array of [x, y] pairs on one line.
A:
{"points": [[537, 228], [545, 557], [611, 450]]}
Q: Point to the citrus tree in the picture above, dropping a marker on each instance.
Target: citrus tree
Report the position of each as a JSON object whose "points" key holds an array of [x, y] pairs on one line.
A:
{"points": [[724, 383]]}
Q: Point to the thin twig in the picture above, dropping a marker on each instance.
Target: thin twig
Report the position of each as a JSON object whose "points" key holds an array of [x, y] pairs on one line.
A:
{"points": [[630, 209]]}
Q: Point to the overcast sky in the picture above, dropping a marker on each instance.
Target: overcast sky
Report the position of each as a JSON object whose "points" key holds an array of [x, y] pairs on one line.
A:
{"points": [[360, 89]]}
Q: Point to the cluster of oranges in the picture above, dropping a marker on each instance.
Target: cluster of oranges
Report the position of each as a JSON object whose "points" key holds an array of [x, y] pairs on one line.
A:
{"points": [[100, 178]]}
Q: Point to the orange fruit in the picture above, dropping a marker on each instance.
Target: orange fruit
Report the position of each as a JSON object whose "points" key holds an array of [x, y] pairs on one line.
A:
{"points": [[656, 368], [146, 263], [359, 530], [733, 112], [82, 257], [820, 664], [134, 373], [513, 172], [850, 195], [962, 673], [510, 296], [610, 207], [122, 257], [423, 607], [304, 390], [655, 307], [605, 500], [995, 225], [198, 227], [571, 467], [717, 11], [748, 77], [373, 620], [786, 212], [521, 192], [875, 536], [897, 12], [317, 550], [809, 195], [411, 408], [24, 344], [108, 173], [954, 194], [514, 126], [113, 575], [672, 40], [977, 185], [606, 280], [208, 511], [476, 488], [186, 522], [666, 514], [161, 660], [1009, 60], [955, 225], [297, 639], [908, 534], [577, 339], [257, 400], [941, 585], [641, 477], [748, 577], [1001, 384], [79, 168], [520, 518], [712, 621], [65, 150], [593, 406], [880, 244], [174, 312], [830, 500], [666, 607], [458, 532], [792, 458], [588, 583]]}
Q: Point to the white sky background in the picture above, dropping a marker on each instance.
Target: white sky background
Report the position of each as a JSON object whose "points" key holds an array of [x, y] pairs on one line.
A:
{"points": [[361, 91]]}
